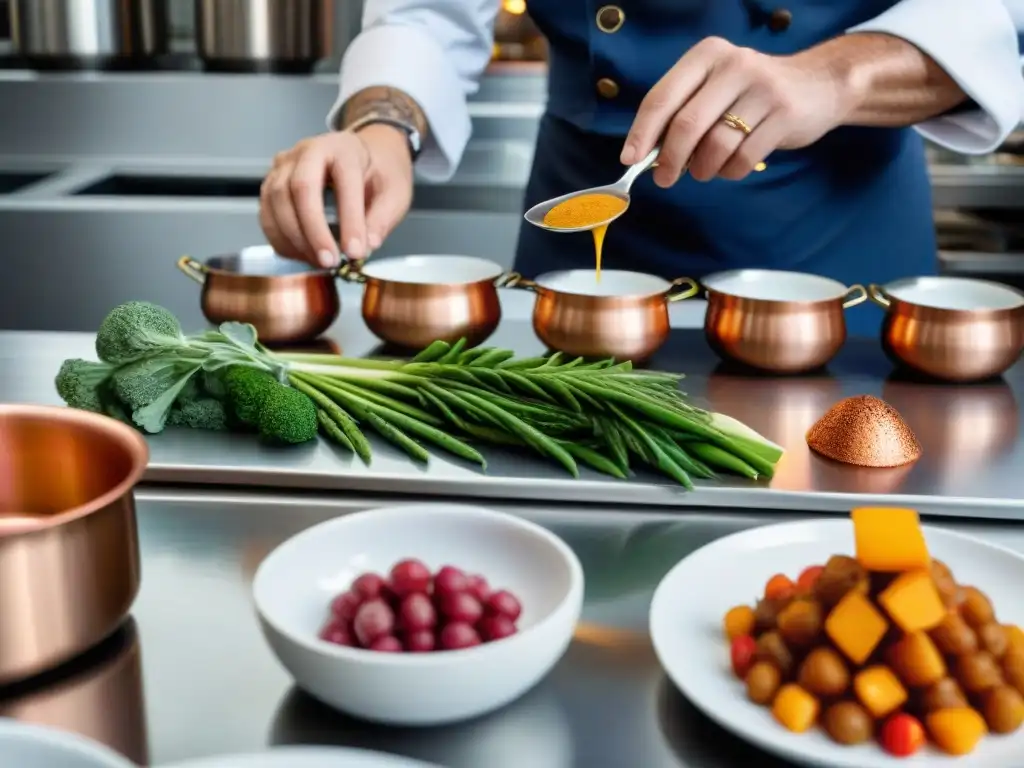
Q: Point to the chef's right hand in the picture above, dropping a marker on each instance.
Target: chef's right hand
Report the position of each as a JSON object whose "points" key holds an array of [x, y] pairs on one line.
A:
{"points": [[372, 176]]}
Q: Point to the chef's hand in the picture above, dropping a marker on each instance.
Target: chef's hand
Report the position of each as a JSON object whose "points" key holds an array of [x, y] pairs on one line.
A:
{"points": [[371, 173], [787, 101]]}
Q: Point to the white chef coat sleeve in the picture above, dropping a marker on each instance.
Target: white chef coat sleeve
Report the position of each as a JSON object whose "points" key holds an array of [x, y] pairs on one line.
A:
{"points": [[433, 50], [975, 41]]}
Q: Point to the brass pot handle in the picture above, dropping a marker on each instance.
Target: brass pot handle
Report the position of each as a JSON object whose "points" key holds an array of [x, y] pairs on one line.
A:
{"points": [[856, 294], [350, 271], [192, 269], [515, 280], [878, 296], [692, 289]]}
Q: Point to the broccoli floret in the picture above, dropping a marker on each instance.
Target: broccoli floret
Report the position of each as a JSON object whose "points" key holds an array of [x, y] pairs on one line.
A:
{"points": [[247, 388], [140, 383], [79, 384], [203, 413], [136, 329], [287, 416]]}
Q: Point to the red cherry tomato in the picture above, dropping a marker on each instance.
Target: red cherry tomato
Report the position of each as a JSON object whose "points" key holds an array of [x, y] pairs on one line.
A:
{"points": [[741, 653], [902, 735], [807, 578]]}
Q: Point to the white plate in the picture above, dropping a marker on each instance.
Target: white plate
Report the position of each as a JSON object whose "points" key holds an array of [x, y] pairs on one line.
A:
{"points": [[686, 628], [307, 757], [23, 745]]}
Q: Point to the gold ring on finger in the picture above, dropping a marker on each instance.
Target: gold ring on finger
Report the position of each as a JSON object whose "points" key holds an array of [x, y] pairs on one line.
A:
{"points": [[738, 123]]}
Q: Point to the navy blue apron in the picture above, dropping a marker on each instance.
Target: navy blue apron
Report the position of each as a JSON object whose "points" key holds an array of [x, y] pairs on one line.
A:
{"points": [[856, 206]]}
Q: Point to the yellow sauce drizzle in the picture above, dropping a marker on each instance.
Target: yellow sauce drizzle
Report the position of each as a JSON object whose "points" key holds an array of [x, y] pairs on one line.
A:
{"points": [[588, 211]]}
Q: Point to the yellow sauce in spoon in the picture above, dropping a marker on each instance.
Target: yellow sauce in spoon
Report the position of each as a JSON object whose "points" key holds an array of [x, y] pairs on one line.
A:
{"points": [[587, 211]]}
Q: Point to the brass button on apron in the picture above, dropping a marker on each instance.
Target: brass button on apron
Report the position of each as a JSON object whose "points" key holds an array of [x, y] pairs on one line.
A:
{"points": [[780, 20], [608, 88], [610, 18]]}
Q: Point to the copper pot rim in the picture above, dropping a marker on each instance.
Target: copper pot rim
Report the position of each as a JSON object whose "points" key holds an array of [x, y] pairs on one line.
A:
{"points": [[679, 289], [844, 293], [357, 272], [882, 294], [208, 267], [125, 436]]}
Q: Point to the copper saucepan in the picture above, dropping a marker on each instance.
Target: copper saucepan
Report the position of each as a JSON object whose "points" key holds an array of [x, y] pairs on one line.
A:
{"points": [[411, 301], [286, 301], [777, 321], [69, 551], [951, 328], [408, 301], [624, 316]]}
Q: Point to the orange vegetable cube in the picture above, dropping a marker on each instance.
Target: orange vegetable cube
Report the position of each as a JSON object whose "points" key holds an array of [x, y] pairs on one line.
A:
{"points": [[794, 708], [956, 731], [879, 690], [916, 660], [889, 540], [856, 627], [913, 602], [1015, 636], [738, 621]]}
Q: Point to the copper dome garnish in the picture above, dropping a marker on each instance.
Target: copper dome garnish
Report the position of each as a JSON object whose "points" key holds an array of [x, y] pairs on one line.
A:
{"points": [[866, 432]]}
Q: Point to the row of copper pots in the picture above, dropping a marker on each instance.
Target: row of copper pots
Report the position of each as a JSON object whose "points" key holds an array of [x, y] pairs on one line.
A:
{"points": [[69, 549], [954, 329]]}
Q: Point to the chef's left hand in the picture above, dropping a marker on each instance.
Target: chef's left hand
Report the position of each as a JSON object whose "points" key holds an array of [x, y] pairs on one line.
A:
{"points": [[787, 101]]}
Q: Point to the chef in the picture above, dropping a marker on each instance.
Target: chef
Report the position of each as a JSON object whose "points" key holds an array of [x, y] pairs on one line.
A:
{"points": [[834, 96]]}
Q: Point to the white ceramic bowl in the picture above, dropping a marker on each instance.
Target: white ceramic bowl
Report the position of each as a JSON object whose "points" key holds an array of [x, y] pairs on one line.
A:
{"points": [[35, 746], [295, 584]]}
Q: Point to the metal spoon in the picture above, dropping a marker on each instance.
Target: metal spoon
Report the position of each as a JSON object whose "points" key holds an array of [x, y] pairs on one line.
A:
{"points": [[619, 189]]}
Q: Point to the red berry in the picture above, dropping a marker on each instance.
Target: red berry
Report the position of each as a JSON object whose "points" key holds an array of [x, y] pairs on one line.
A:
{"points": [[420, 641], [458, 635], [387, 644], [369, 585], [408, 576], [478, 587], [338, 633], [460, 606], [741, 654], [902, 735], [496, 627], [505, 604], [450, 579], [345, 605], [373, 619], [416, 612]]}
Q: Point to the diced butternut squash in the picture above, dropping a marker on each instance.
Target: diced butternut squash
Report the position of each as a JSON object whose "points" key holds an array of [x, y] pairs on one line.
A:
{"points": [[913, 602], [956, 731], [856, 627], [879, 690], [889, 540], [916, 661], [1015, 638], [794, 708]]}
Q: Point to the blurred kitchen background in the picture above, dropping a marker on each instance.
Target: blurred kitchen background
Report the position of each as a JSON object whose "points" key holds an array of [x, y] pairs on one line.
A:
{"points": [[134, 131]]}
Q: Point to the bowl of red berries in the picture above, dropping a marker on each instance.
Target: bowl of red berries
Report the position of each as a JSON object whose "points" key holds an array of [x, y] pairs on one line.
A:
{"points": [[420, 614]]}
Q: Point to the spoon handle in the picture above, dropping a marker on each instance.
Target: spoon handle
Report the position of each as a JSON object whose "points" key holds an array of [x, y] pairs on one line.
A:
{"points": [[636, 169]]}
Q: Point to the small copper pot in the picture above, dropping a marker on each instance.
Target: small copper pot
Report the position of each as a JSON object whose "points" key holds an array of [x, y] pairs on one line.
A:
{"points": [[951, 328], [624, 316], [69, 550], [411, 301], [777, 321], [286, 301]]}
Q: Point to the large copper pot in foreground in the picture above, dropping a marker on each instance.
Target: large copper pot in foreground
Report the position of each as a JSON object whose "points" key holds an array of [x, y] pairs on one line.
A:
{"points": [[624, 316], [69, 551], [777, 321], [951, 328], [286, 301], [411, 301]]}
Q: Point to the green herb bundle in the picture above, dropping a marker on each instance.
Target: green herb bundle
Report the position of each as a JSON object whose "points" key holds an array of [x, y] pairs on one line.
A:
{"points": [[604, 414]]}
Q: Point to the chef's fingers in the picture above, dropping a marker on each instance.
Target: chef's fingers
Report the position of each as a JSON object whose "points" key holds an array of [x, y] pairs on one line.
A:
{"points": [[668, 95], [278, 198], [723, 141], [306, 184], [764, 140], [388, 204], [348, 175], [268, 224], [695, 119]]}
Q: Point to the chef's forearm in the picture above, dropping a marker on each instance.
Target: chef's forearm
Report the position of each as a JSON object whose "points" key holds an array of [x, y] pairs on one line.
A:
{"points": [[384, 102], [885, 80]]}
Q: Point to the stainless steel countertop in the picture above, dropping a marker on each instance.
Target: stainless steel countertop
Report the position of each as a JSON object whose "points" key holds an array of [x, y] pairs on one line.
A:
{"points": [[973, 463], [191, 675]]}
